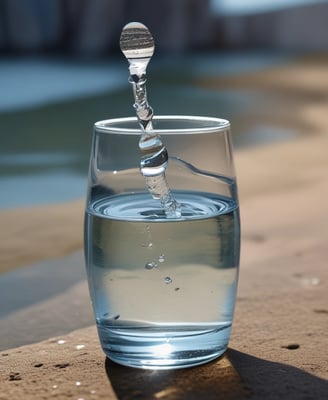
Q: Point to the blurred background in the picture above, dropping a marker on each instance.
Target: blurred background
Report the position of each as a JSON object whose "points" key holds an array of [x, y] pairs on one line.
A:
{"points": [[61, 70], [262, 64]]}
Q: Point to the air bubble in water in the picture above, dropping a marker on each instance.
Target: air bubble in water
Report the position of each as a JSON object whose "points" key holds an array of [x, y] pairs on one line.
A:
{"points": [[167, 280], [151, 265]]}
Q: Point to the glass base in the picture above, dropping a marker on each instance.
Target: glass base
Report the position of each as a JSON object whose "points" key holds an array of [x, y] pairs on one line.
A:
{"points": [[164, 349]]}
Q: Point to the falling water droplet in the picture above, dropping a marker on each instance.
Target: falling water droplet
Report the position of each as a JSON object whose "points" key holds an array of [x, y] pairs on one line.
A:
{"points": [[151, 265], [167, 280]]}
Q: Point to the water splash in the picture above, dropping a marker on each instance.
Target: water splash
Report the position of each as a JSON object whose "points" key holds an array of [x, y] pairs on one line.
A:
{"points": [[137, 44], [168, 280], [151, 265]]}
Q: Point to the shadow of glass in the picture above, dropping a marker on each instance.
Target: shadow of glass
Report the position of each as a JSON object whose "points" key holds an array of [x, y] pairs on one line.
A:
{"points": [[234, 376], [272, 380], [207, 381]]}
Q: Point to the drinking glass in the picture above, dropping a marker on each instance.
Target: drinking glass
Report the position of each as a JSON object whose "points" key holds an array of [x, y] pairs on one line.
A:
{"points": [[163, 288]]}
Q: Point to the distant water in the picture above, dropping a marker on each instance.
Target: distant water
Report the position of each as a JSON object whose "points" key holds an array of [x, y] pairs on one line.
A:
{"points": [[48, 107], [238, 7], [27, 83]]}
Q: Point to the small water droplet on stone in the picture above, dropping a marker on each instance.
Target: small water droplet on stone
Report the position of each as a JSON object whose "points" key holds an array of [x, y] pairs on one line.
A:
{"points": [[151, 265], [161, 258], [54, 386], [78, 383], [167, 280], [61, 341], [308, 282], [93, 392], [80, 346], [150, 244]]}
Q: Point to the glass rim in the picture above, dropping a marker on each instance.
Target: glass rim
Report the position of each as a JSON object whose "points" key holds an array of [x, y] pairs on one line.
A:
{"points": [[214, 124]]}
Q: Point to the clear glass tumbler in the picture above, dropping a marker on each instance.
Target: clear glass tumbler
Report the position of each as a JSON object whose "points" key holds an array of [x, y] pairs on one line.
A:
{"points": [[163, 288]]}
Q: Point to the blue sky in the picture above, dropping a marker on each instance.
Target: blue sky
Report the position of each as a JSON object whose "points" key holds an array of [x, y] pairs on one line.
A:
{"points": [[251, 6]]}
